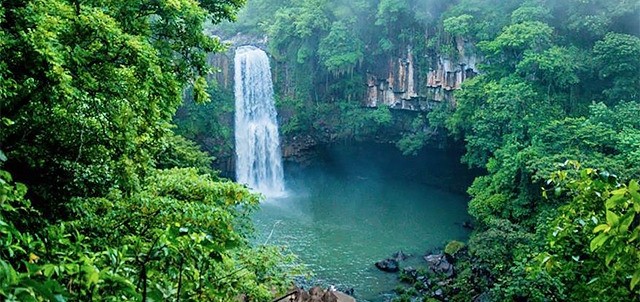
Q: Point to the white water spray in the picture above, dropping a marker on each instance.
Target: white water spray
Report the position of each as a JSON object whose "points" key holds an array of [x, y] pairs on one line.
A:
{"points": [[258, 155]]}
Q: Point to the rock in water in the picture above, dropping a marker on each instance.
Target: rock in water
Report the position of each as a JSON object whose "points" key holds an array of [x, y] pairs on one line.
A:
{"points": [[400, 256], [388, 265]]}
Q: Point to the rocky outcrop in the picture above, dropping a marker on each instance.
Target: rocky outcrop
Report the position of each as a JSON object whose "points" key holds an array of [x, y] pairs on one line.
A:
{"points": [[388, 265], [223, 62], [433, 283], [396, 87], [439, 264], [400, 255], [403, 86], [299, 148], [316, 294], [392, 265]]}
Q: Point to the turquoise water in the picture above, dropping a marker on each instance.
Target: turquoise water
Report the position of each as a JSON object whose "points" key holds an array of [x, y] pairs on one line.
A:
{"points": [[357, 204]]}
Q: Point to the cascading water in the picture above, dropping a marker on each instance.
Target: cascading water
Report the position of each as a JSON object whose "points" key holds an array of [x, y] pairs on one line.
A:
{"points": [[258, 155]]}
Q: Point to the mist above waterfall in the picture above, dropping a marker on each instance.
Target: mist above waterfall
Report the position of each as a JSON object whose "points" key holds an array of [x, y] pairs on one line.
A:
{"points": [[258, 155]]}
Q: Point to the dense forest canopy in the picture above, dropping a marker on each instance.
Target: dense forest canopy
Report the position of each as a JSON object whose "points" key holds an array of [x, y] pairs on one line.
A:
{"points": [[104, 197]]}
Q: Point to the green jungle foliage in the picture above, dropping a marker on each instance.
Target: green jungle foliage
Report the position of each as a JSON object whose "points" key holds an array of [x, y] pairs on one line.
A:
{"points": [[323, 51], [559, 84], [99, 199], [210, 125], [554, 88]]}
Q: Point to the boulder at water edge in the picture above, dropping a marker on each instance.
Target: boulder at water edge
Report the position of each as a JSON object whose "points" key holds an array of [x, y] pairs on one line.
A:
{"points": [[389, 265], [317, 294], [439, 264]]}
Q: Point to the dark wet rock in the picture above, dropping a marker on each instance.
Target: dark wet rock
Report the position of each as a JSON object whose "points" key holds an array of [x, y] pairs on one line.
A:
{"points": [[410, 274], [400, 256], [439, 264], [388, 265], [484, 297], [439, 294], [348, 291], [425, 281], [299, 149]]}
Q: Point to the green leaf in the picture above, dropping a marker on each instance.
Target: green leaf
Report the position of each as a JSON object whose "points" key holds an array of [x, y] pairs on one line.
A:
{"points": [[612, 218], [627, 219], [635, 279], [2, 156], [92, 275], [613, 201], [598, 241], [633, 190], [610, 256], [634, 236], [620, 191], [557, 191], [7, 122], [48, 270], [43, 290], [635, 196], [602, 227], [633, 186]]}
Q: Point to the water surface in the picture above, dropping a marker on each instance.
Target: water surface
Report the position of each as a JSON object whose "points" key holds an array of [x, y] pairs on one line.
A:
{"points": [[359, 203]]}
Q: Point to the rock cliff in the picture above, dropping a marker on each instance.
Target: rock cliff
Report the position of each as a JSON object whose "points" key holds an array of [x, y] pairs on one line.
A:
{"points": [[403, 86], [398, 83], [223, 62]]}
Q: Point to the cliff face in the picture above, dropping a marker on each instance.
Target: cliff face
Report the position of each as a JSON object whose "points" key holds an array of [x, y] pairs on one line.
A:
{"points": [[398, 82], [223, 62], [416, 81], [405, 87]]}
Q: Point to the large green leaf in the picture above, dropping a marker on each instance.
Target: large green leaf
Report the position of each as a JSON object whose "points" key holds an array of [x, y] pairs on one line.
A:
{"points": [[598, 241], [612, 218], [635, 279]]}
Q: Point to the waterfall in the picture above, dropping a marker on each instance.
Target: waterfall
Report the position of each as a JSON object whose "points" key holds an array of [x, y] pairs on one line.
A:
{"points": [[258, 155]]}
